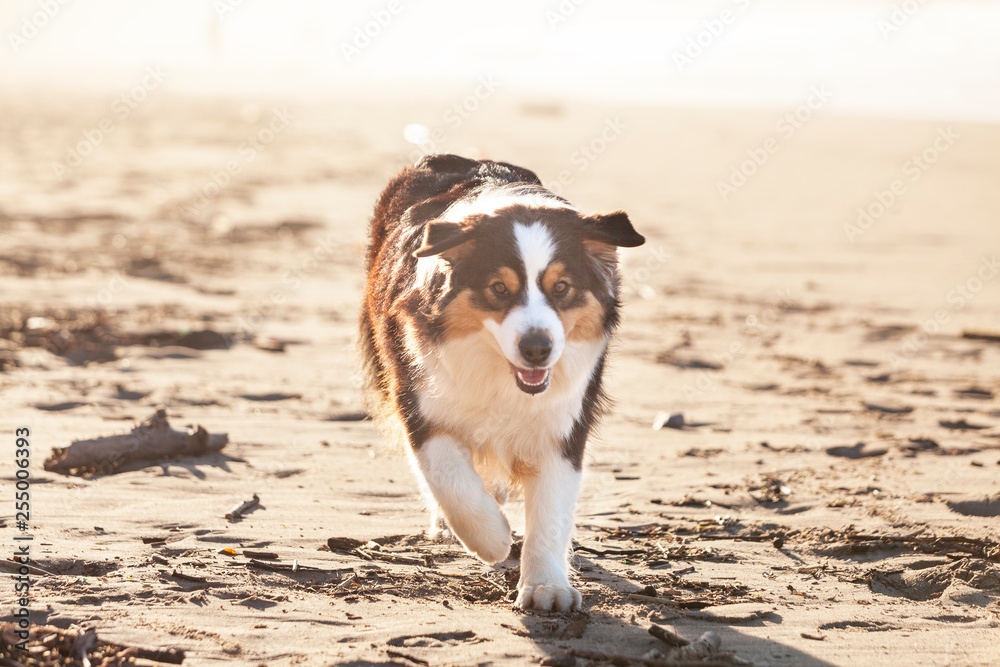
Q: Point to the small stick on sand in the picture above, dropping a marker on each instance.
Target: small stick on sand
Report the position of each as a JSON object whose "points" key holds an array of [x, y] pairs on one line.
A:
{"points": [[152, 440], [15, 567], [404, 656], [993, 336], [369, 554], [733, 619], [293, 567], [667, 637], [188, 577], [493, 584], [638, 597], [173, 656], [242, 508]]}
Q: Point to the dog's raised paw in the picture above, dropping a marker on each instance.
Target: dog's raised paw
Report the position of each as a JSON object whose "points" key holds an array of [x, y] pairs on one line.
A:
{"points": [[549, 597], [491, 548], [486, 536]]}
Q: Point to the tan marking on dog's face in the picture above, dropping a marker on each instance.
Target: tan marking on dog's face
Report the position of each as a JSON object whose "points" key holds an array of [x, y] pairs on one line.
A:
{"points": [[508, 277], [511, 283], [557, 283], [585, 322], [555, 272], [462, 318]]}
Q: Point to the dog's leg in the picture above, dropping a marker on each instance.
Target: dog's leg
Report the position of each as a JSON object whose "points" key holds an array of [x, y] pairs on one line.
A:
{"points": [[549, 501], [438, 529], [472, 514]]}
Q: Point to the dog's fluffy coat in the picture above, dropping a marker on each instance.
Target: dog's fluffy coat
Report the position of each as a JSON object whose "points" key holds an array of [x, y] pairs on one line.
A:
{"points": [[488, 309]]}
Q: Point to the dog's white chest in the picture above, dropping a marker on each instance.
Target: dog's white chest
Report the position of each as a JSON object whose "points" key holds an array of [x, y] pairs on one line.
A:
{"points": [[470, 391]]}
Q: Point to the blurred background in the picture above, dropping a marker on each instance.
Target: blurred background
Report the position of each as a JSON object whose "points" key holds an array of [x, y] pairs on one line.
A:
{"points": [[913, 58]]}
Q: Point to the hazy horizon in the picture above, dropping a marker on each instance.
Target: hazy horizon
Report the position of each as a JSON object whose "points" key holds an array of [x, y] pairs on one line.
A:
{"points": [[905, 59]]}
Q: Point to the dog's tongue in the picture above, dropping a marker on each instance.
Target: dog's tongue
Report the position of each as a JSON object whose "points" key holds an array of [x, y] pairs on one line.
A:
{"points": [[532, 375]]}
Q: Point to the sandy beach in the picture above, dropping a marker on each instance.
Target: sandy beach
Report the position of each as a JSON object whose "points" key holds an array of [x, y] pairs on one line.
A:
{"points": [[816, 297]]}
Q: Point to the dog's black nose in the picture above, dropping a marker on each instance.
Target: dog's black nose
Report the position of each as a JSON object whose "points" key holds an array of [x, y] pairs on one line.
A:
{"points": [[535, 348]]}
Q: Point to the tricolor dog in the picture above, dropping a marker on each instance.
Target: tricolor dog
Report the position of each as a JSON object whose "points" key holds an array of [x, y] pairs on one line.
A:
{"points": [[487, 313]]}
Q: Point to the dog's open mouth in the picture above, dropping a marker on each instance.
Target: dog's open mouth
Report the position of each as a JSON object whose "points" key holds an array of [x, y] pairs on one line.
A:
{"points": [[532, 380]]}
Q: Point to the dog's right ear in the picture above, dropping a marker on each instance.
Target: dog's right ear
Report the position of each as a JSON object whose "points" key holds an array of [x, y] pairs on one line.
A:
{"points": [[441, 236], [614, 229]]}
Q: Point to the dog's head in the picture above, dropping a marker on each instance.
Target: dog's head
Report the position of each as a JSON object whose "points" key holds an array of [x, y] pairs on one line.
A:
{"points": [[535, 277]]}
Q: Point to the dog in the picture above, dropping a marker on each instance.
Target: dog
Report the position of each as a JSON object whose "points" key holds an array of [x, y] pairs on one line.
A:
{"points": [[489, 305]]}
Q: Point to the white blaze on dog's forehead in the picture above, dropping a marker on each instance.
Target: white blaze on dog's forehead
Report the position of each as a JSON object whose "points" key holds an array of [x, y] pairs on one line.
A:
{"points": [[534, 244], [491, 200]]}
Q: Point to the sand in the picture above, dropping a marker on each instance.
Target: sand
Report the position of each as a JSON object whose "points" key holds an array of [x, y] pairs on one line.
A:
{"points": [[783, 324]]}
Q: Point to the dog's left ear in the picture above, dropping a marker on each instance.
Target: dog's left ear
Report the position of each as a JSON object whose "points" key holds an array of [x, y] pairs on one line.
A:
{"points": [[612, 228]]}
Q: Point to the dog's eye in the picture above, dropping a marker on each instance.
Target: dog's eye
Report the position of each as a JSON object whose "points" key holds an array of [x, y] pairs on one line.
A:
{"points": [[560, 288], [499, 288]]}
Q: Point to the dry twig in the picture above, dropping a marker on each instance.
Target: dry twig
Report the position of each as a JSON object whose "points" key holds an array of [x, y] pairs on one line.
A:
{"points": [[242, 508]]}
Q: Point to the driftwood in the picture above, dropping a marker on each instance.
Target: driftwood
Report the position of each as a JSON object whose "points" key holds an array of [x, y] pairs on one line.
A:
{"points": [[705, 646], [702, 652], [855, 543], [628, 661], [153, 440], [53, 647]]}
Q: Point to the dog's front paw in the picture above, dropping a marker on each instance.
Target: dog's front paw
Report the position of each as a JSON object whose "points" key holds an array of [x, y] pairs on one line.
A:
{"points": [[486, 537], [493, 545], [548, 597]]}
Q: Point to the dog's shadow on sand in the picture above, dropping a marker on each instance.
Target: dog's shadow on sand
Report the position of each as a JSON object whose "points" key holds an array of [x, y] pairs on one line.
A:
{"points": [[623, 635], [610, 623]]}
